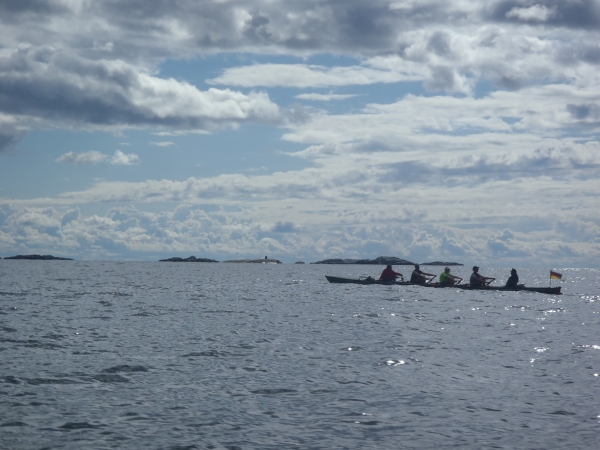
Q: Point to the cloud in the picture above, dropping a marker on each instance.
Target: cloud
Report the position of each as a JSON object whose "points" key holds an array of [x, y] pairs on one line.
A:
{"points": [[95, 157], [70, 216], [103, 75], [163, 144], [362, 171], [216, 233], [512, 117], [579, 14], [156, 30], [503, 116], [324, 97], [122, 159], [442, 78], [284, 227], [46, 85], [535, 13], [91, 157], [35, 221], [9, 134], [499, 248], [545, 161], [579, 230], [420, 227], [257, 169], [334, 193], [586, 115], [302, 75], [452, 60]]}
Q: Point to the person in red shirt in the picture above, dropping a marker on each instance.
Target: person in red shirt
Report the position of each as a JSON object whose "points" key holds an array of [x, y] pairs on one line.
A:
{"points": [[388, 275]]}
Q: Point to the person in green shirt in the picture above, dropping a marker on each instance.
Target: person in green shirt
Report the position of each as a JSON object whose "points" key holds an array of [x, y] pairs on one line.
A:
{"points": [[446, 279]]}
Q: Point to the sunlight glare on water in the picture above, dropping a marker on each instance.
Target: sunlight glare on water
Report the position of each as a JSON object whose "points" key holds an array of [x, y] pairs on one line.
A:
{"points": [[133, 355]]}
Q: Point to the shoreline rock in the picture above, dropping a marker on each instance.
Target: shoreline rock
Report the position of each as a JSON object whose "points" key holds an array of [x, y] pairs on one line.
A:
{"points": [[188, 259], [40, 257]]}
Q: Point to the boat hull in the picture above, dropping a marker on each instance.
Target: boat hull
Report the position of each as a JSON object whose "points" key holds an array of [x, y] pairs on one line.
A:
{"points": [[540, 289], [369, 280]]}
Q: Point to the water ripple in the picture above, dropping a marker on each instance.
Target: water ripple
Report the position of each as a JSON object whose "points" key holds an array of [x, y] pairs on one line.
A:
{"points": [[133, 356]]}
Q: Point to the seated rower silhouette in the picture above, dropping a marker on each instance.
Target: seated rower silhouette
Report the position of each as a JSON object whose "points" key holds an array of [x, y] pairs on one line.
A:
{"points": [[478, 280], [418, 276]]}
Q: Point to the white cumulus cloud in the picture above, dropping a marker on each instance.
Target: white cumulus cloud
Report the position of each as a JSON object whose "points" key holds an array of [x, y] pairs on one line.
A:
{"points": [[324, 97], [91, 157], [122, 159], [537, 13], [95, 157]]}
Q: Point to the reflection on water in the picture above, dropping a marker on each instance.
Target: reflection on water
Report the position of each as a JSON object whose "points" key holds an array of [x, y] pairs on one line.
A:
{"points": [[101, 355]]}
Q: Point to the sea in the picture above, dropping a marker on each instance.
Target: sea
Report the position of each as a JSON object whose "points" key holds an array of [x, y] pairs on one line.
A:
{"points": [[157, 355]]}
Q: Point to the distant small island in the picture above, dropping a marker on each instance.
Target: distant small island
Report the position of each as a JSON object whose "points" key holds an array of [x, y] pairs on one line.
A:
{"points": [[381, 261], [440, 263], [194, 259], [256, 261], [39, 257], [189, 259]]}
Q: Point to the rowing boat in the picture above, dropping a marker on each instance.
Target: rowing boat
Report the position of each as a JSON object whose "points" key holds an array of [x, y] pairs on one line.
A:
{"points": [[520, 287]]}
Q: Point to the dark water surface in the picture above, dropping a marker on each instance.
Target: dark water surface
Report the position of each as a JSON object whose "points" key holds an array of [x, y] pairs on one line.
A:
{"points": [[126, 355]]}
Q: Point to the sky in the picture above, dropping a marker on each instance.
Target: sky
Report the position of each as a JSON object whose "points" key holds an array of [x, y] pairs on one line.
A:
{"points": [[448, 130]]}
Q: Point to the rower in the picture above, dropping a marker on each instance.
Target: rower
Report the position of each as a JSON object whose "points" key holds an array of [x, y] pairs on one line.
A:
{"points": [[479, 280], [388, 275], [418, 276], [513, 279], [446, 279]]}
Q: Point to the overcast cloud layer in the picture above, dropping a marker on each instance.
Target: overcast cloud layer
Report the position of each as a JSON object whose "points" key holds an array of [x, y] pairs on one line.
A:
{"points": [[452, 130]]}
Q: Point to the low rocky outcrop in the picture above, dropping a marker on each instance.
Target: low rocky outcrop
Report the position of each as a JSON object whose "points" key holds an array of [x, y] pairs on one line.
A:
{"points": [[256, 261], [441, 263], [189, 259], [380, 261], [40, 257], [299, 262]]}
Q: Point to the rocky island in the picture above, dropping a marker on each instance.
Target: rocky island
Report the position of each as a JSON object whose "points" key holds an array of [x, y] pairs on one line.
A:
{"points": [[381, 261], [189, 259], [194, 259], [40, 257], [440, 263], [256, 261]]}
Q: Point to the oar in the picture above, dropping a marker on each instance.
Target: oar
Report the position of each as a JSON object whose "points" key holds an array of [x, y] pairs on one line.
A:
{"points": [[488, 282], [431, 279]]}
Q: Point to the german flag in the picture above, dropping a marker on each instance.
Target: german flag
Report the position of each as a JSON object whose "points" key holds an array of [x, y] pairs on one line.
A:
{"points": [[555, 275]]}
